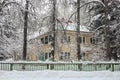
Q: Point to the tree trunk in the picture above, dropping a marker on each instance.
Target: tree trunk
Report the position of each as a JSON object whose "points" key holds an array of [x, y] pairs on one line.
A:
{"points": [[78, 30], [25, 30], [53, 27]]}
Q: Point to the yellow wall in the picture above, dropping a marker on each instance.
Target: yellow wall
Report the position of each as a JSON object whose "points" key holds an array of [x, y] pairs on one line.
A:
{"points": [[66, 47]]}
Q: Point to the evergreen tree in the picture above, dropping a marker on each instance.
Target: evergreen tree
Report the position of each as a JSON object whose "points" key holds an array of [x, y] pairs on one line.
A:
{"points": [[106, 20]]}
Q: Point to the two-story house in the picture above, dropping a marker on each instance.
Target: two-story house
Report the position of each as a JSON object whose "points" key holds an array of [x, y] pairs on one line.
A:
{"points": [[65, 45]]}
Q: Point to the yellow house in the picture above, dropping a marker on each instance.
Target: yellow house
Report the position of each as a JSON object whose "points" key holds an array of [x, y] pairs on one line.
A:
{"points": [[65, 45]]}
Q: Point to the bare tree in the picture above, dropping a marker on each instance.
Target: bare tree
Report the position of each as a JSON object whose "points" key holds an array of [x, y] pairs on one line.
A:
{"points": [[7, 25], [53, 22], [107, 37], [78, 30], [25, 30]]}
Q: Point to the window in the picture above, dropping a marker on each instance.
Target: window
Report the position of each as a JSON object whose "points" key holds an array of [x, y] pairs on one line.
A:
{"points": [[93, 40], [83, 39], [64, 56], [42, 40], [65, 39], [61, 56], [50, 38], [67, 55], [68, 38], [50, 55], [46, 56], [46, 39], [42, 56]]}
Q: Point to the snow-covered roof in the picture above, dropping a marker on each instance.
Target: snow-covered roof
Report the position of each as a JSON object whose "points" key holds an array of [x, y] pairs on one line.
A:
{"points": [[73, 28], [38, 33]]}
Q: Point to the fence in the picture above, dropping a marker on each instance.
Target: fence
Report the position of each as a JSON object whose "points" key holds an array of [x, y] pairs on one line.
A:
{"points": [[75, 66]]}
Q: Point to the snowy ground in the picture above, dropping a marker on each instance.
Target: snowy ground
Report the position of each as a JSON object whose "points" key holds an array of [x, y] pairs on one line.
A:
{"points": [[59, 75]]}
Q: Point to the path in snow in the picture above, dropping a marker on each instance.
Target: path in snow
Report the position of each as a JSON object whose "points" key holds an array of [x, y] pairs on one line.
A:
{"points": [[59, 75]]}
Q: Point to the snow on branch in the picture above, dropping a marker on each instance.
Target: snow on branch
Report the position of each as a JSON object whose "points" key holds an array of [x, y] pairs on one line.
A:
{"points": [[93, 1], [21, 7]]}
